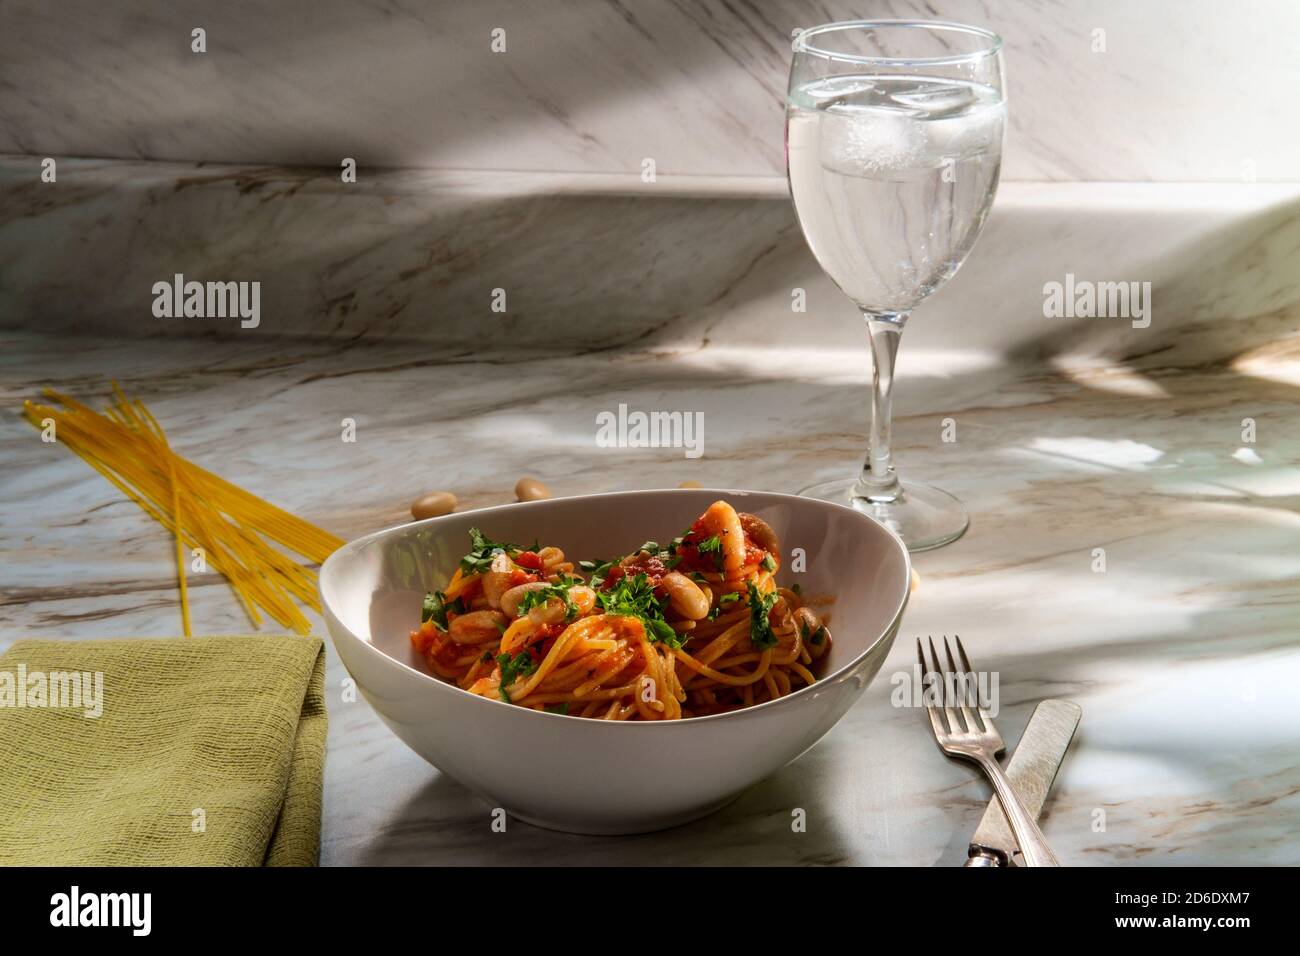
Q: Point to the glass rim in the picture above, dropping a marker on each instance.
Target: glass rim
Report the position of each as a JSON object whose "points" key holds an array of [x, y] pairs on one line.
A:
{"points": [[994, 46]]}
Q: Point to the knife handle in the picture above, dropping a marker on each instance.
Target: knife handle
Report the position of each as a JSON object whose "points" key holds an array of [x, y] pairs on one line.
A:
{"points": [[1033, 846]]}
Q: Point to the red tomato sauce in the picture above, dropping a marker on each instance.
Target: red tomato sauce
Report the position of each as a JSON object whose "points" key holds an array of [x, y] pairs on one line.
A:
{"points": [[653, 568], [529, 559]]}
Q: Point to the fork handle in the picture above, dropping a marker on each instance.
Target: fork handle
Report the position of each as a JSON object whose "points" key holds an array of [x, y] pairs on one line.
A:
{"points": [[1033, 846]]}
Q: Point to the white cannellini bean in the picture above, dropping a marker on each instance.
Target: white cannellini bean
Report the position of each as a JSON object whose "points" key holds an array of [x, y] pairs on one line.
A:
{"points": [[496, 580], [685, 596], [530, 489], [433, 504], [511, 599]]}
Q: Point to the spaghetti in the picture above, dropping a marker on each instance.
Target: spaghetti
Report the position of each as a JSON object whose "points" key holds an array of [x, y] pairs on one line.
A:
{"points": [[695, 628], [236, 530]]}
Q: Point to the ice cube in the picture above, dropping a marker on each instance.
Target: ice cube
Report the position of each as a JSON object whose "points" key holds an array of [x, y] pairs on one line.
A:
{"points": [[936, 101], [861, 142]]}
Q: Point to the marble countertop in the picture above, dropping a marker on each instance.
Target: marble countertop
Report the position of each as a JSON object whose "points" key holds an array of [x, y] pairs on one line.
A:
{"points": [[599, 87], [1183, 652]]}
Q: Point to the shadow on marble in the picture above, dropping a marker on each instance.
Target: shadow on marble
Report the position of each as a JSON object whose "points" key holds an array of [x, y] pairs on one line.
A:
{"points": [[590, 265], [755, 828]]}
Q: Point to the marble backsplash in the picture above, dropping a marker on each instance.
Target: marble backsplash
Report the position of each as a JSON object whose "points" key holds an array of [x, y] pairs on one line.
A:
{"points": [[1104, 90], [589, 262]]}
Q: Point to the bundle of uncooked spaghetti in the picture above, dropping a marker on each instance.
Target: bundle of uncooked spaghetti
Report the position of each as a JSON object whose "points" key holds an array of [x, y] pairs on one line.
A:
{"points": [[234, 529]]}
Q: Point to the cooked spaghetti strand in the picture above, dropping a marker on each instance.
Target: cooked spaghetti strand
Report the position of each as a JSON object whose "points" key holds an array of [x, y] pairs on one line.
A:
{"points": [[698, 628]]}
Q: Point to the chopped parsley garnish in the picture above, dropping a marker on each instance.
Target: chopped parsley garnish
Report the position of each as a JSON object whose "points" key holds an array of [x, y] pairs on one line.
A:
{"points": [[597, 569], [769, 563], [731, 597], [482, 551], [711, 546], [561, 708], [514, 667], [435, 609], [760, 628], [635, 597], [538, 597]]}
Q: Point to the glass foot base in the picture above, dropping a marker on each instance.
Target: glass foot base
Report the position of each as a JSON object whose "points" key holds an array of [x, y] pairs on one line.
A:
{"points": [[923, 516]]}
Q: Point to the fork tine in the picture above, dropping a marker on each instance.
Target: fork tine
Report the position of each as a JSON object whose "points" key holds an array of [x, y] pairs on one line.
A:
{"points": [[959, 678], [939, 730], [965, 662], [947, 709], [961, 652]]}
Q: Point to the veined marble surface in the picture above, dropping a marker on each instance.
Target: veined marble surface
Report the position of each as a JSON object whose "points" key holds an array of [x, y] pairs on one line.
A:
{"points": [[1182, 89], [593, 262], [1183, 653]]}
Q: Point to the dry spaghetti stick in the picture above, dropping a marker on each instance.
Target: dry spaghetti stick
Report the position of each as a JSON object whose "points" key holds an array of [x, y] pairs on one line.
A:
{"points": [[154, 512], [128, 446], [180, 555], [273, 563], [160, 517], [279, 524], [247, 550], [178, 530]]}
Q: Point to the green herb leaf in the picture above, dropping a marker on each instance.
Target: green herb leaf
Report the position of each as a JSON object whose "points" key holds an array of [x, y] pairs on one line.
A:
{"points": [[513, 668], [561, 708], [713, 544], [662, 632], [538, 597], [769, 563], [435, 609], [730, 597], [760, 628], [482, 551], [635, 597], [597, 569]]}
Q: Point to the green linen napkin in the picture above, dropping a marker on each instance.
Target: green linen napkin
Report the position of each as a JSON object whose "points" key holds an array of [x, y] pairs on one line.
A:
{"points": [[206, 751]]}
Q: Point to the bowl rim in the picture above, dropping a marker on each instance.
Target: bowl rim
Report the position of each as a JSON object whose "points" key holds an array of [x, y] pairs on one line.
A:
{"points": [[365, 540]]}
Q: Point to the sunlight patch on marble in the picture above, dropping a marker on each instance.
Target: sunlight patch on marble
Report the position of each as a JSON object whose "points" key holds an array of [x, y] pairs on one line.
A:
{"points": [[834, 365], [1119, 453], [1238, 481], [1107, 377]]}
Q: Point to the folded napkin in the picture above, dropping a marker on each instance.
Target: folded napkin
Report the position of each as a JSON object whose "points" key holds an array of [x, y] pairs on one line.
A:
{"points": [[204, 751]]}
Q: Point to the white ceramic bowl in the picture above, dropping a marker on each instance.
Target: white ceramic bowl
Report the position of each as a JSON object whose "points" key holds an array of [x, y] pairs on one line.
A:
{"points": [[595, 776]]}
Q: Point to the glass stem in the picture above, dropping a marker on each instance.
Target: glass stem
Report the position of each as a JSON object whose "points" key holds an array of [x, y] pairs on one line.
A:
{"points": [[878, 483]]}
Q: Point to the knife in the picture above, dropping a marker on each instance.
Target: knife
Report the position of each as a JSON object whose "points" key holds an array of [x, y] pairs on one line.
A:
{"points": [[1032, 769]]}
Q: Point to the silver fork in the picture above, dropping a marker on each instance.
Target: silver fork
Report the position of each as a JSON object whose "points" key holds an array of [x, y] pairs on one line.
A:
{"points": [[980, 742]]}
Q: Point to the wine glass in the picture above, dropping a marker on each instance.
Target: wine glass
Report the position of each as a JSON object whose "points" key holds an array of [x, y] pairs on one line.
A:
{"points": [[893, 144]]}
